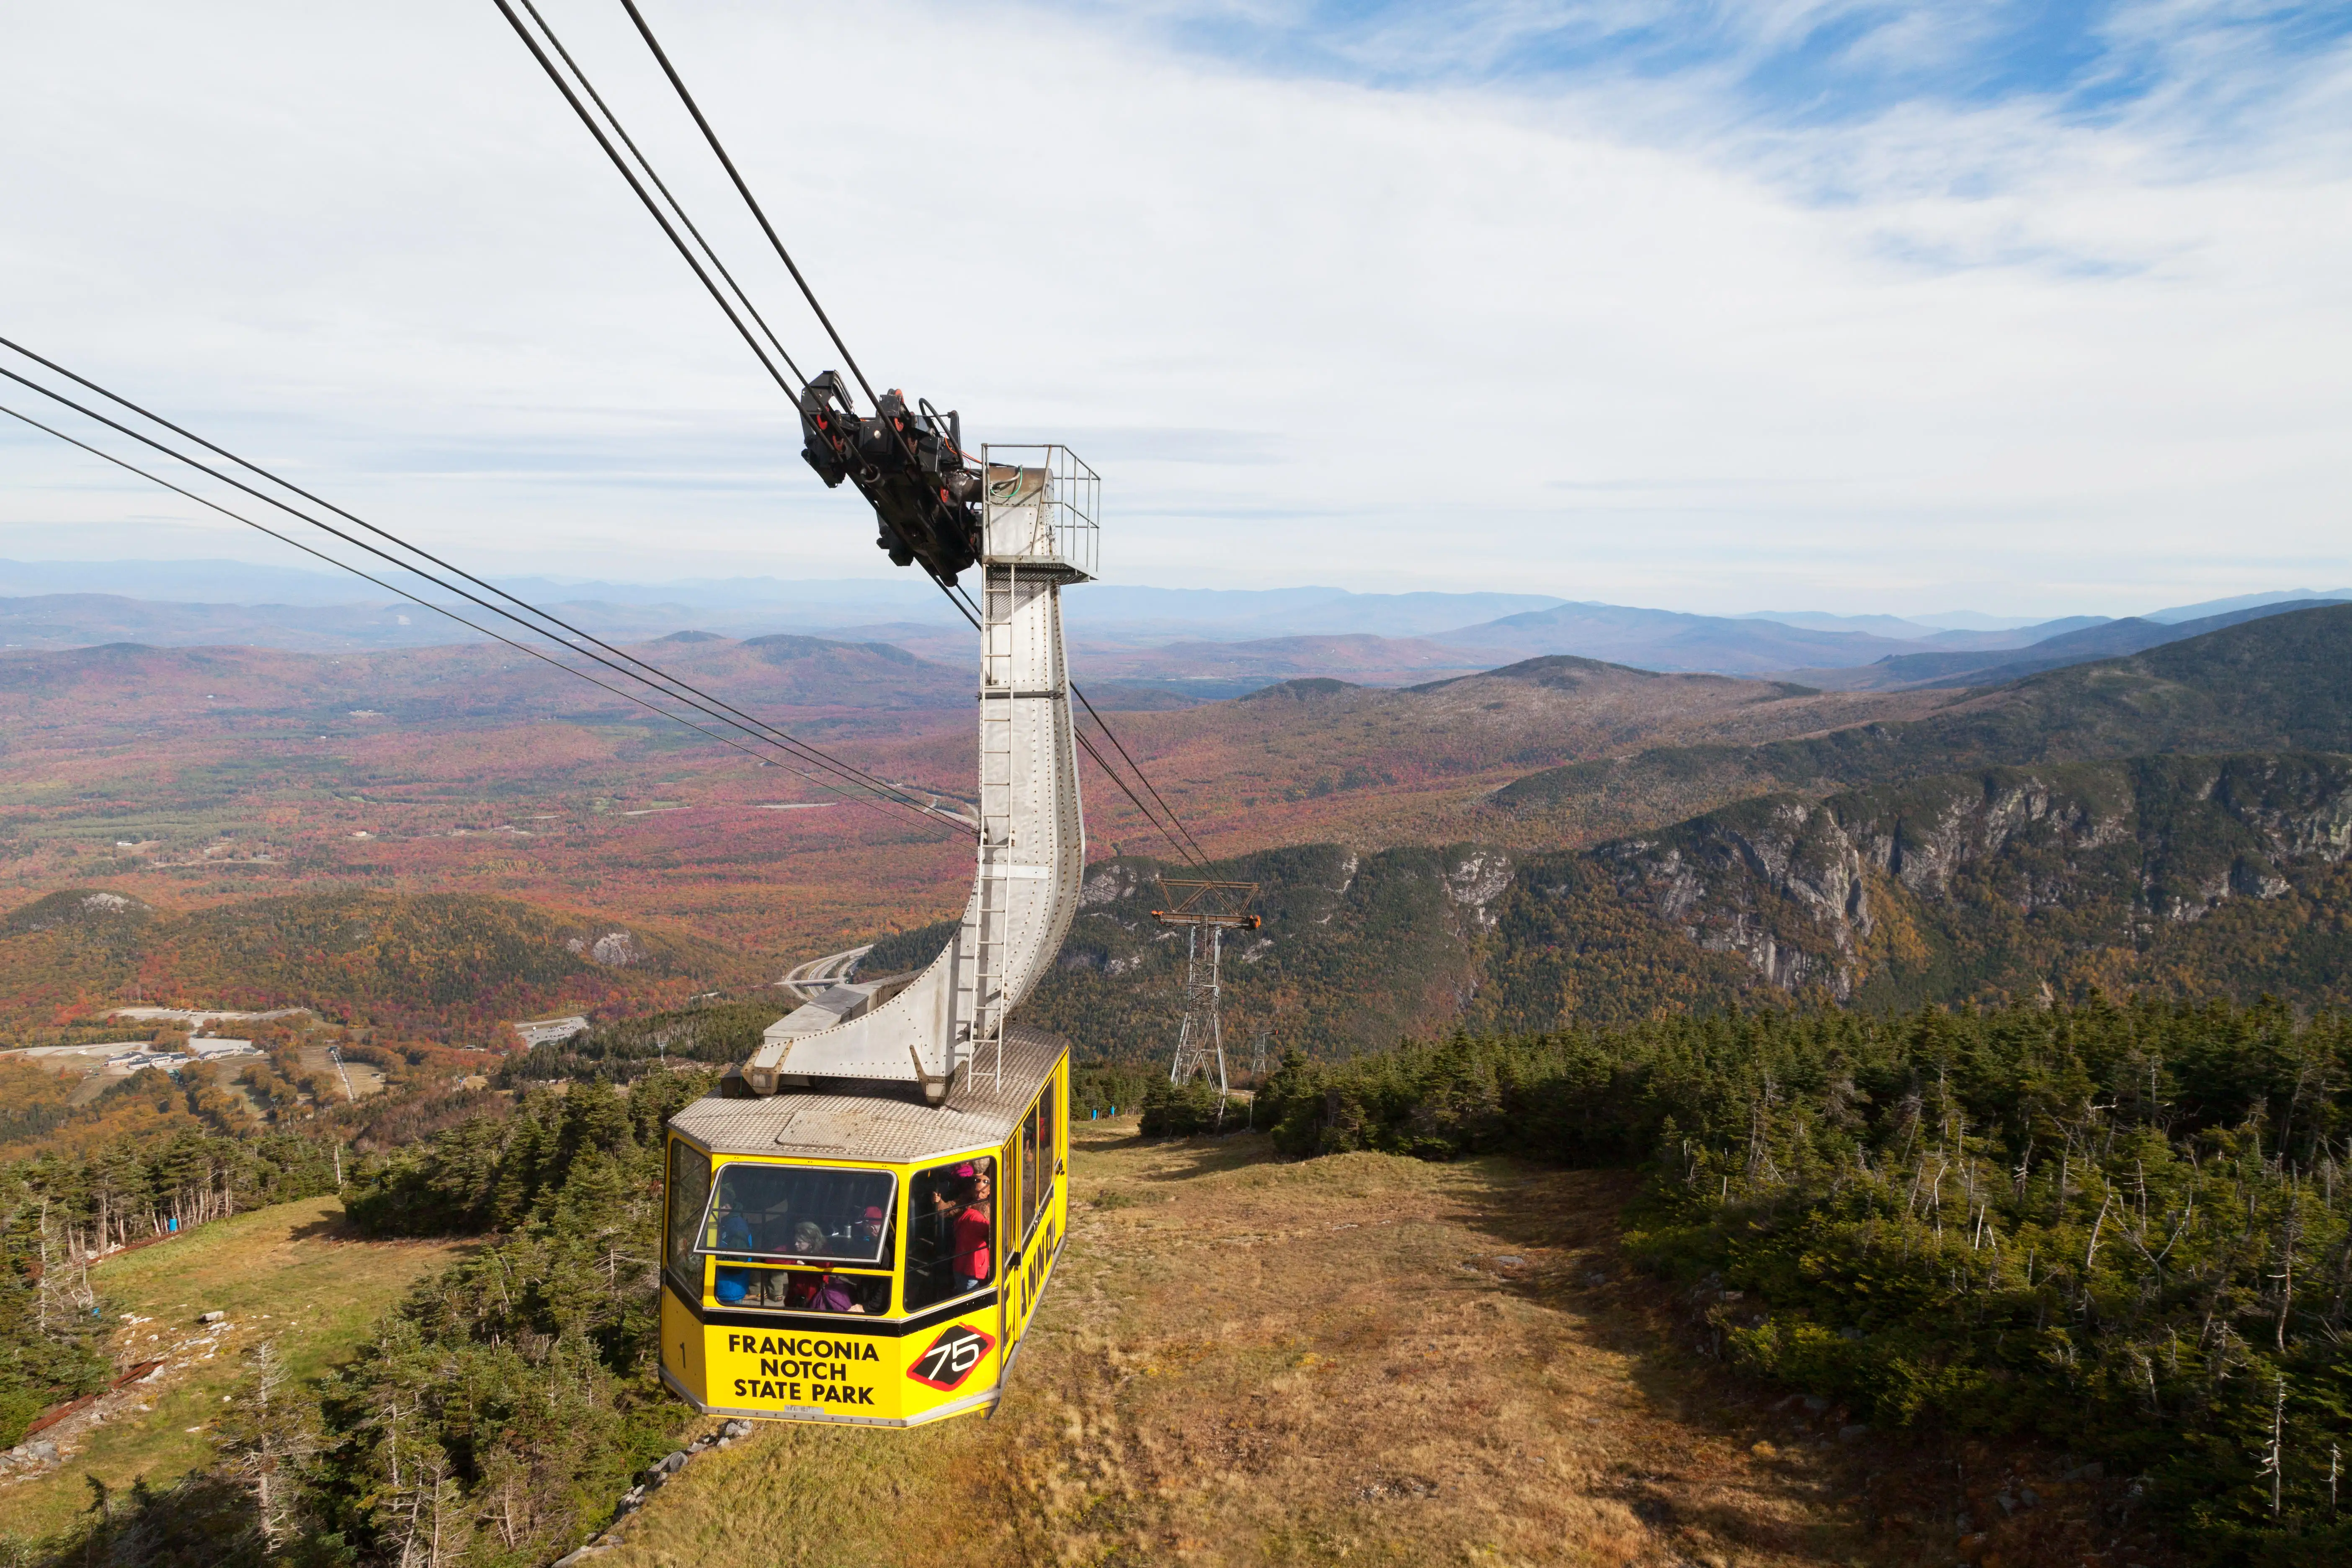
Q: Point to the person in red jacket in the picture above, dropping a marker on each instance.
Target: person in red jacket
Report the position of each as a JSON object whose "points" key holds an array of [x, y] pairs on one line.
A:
{"points": [[975, 1230]]}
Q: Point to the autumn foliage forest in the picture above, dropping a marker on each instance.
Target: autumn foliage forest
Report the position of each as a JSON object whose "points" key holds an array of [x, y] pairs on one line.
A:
{"points": [[1785, 950]]}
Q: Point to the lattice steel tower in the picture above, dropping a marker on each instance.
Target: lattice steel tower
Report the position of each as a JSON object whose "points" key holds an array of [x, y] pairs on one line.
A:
{"points": [[1216, 907]]}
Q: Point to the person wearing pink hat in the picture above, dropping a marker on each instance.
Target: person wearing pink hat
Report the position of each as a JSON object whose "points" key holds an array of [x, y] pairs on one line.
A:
{"points": [[971, 1222], [974, 1229]]}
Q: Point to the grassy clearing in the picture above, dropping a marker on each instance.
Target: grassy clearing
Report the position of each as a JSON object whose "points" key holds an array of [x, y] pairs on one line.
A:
{"points": [[1243, 1361], [292, 1272]]}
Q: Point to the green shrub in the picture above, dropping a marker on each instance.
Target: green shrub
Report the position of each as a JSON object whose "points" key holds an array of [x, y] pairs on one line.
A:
{"points": [[1171, 1111], [1102, 1087]]}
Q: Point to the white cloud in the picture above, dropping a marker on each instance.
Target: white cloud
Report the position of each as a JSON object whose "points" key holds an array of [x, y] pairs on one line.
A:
{"points": [[1614, 339]]}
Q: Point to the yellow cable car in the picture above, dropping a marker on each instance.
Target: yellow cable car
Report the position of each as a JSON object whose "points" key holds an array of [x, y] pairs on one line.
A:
{"points": [[858, 1229], [857, 1257]]}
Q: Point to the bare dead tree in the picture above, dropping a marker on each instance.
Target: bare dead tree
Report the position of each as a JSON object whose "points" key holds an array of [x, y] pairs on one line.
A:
{"points": [[271, 1435], [2290, 1235], [2274, 1456]]}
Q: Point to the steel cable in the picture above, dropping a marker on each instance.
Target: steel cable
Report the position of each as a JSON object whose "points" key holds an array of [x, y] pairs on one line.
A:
{"points": [[745, 190], [626, 173], [970, 612], [742, 294], [437, 609], [693, 696], [879, 790], [1177, 834], [1198, 856]]}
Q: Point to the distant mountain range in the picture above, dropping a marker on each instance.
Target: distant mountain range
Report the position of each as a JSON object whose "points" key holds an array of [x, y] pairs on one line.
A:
{"points": [[1988, 666], [2277, 683], [1194, 644]]}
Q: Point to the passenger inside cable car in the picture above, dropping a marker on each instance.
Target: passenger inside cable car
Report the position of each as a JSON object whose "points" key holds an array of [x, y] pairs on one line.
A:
{"points": [[802, 1238], [953, 1222]]}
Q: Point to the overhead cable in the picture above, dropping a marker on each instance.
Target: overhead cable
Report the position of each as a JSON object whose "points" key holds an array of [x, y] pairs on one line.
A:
{"points": [[653, 676], [1179, 837], [1175, 841], [879, 791], [660, 217], [750, 200], [418, 600], [1198, 856], [1189, 847], [676, 205], [1177, 834]]}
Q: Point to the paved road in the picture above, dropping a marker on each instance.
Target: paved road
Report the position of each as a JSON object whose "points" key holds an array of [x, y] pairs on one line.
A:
{"points": [[808, 981]]}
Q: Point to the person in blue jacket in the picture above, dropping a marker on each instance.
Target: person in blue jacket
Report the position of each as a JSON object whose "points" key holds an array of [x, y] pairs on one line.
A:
{"points": [[733, 1285]]}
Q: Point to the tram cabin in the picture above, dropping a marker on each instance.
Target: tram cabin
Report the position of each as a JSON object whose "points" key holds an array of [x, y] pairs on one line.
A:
{"points": [[844, 1252]]}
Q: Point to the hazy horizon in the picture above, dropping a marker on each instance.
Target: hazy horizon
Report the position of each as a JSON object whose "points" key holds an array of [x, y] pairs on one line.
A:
{"points": [[201, 579]]}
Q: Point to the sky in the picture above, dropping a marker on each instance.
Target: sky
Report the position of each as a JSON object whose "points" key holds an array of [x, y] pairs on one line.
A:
{"points": [[1801, 304]]}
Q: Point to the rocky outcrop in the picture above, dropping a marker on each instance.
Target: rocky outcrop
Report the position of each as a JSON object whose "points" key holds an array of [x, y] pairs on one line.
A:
{"points": [[1475, 880], [1778, 881], [618, 948], [2185, 875], [1790, 884]]}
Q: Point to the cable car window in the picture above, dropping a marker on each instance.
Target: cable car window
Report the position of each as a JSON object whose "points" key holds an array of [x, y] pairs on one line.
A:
{"points": [[1031, 1174], [950, 1231], [802, 1212], [689, 1189]]}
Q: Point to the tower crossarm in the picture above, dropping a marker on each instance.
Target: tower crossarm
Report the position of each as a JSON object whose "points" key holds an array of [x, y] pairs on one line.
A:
{"points": [[1216, 907], [1205, 901]]}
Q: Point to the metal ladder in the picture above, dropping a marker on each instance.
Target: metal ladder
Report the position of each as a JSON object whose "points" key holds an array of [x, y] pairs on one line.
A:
{"points": [[978, 991]]}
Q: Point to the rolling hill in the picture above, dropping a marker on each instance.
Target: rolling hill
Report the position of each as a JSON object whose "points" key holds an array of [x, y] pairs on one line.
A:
{"points": [[448, 685], [1357, 656], [1667, 639], [451, 966]]}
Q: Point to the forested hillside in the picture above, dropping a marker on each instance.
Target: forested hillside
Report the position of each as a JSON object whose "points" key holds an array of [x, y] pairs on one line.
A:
{"points": [[495, 1415], [59, 1208], [2176, 876], [452, 965], [1356, 951]]}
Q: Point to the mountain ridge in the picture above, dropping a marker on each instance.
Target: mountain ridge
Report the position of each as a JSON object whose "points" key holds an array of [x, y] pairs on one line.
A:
{"points": [[1994, 665], [207, 601], [2271, 682]]}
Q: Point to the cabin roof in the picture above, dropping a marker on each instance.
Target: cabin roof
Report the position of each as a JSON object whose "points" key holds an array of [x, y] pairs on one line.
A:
{"points": [[869, 1121]]}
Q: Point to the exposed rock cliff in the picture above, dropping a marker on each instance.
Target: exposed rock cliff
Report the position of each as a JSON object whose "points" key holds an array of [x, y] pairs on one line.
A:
{"points": [[2019, 864]]}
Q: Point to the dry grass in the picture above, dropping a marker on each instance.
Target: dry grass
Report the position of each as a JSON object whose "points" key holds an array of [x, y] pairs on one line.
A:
{"points": [[1247, 1361], [290, 1273]]}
